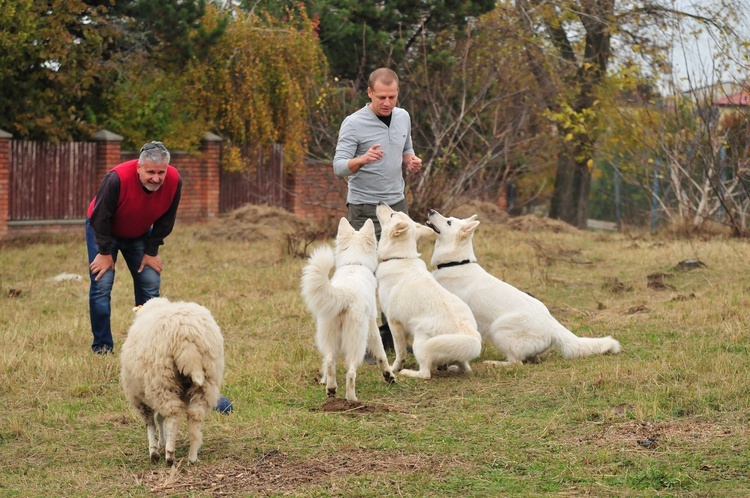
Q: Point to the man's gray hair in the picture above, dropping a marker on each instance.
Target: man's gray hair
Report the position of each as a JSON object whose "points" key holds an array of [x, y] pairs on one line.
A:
{"points": [[154, 152]]}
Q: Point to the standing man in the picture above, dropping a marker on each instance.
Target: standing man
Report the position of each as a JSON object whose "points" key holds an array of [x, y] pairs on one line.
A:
{"points": [[133, 212], [374, 145]]}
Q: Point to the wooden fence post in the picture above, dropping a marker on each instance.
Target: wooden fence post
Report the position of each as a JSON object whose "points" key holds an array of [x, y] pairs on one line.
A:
{"points": [[211, 149], [4, 181]]}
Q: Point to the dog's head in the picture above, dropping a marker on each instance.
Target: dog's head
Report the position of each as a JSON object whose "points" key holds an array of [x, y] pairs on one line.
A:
{"points": [[356, 246], [399, 234], [453, 237]]}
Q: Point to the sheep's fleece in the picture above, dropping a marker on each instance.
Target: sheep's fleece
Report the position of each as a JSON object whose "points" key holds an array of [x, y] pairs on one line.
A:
{"points": [[172, 363]]}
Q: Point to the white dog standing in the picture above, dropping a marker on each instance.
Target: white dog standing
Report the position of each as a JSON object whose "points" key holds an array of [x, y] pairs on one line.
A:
{"points": [[442, 327], [345, 306], [518, 325]]}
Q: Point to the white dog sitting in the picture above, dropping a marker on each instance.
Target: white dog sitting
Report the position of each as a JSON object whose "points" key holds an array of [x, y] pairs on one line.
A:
{"points": [[518, 325], [443, 329], [345, 307]]}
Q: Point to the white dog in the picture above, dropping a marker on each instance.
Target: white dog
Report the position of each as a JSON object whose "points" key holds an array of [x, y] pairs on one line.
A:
{"points": [[518, 325], [345, 307], [442, 327]]}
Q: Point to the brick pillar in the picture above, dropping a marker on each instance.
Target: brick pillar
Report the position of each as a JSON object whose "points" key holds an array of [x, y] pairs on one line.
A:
{"points": [[108, 152], [211, 149], [4, 181]]}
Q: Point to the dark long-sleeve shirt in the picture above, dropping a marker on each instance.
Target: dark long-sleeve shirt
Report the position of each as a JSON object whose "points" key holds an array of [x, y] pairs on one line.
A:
{"points": [[106, 204]]}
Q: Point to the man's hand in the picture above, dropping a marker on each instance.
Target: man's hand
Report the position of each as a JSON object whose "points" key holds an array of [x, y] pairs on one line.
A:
{"points": [[154, 262], [100, 265], [412, 163], [373, 154]]}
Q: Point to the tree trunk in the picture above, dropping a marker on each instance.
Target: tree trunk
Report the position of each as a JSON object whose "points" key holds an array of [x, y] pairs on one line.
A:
{"points": [[570, 199]]}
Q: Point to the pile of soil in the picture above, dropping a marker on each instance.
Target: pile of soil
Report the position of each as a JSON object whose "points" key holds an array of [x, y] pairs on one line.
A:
{"points": [[254, 222], [486, 212], [533, 223]]}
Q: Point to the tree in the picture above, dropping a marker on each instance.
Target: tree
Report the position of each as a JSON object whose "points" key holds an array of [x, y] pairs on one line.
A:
{"points": [[359, 36], [569, 47], [257, 86], [475, 119], [51, 67]]}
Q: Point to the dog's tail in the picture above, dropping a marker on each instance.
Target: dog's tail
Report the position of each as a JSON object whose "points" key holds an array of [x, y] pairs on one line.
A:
{"points": [[448, 348], [572, 346], [317, 291]]}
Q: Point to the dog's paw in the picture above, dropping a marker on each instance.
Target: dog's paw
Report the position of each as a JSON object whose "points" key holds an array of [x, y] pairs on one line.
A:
{"points": [[389, 377], [331, 392], [416, 373]]}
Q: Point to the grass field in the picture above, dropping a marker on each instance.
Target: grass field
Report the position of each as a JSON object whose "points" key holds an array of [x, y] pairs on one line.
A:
{"points": [[666, 417]]}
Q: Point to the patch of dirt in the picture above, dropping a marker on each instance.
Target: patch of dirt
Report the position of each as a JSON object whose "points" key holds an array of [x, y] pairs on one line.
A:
{"points": [[256, 222], [641, 308], [683, 297], [649, 435], [275, 473], [548, 254], [341, 405], [533, 223], [656, 281], [615, 286]]}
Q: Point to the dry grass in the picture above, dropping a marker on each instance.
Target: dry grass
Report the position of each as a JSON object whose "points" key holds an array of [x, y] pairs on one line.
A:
{"points": [[666, 417]]}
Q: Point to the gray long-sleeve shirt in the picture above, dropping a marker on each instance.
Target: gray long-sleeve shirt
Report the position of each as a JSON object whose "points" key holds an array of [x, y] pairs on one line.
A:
{"points": [[381, 180]]}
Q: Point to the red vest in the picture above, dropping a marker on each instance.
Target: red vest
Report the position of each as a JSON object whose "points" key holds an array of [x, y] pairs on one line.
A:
{"points": [[137, 210]]}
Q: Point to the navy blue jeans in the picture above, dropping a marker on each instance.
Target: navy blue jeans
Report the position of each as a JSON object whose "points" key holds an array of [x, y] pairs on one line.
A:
{"points": [[145, 285]]}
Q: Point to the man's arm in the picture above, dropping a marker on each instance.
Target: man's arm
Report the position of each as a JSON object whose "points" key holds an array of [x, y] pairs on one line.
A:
{"points": [[104, 210], [164, 225]]}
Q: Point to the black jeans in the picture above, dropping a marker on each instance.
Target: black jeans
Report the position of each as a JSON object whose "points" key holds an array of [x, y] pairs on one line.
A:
{"points": [[359, 213]]}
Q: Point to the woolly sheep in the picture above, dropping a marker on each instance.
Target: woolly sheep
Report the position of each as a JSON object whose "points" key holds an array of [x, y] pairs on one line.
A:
{"points": [[172, 363]]}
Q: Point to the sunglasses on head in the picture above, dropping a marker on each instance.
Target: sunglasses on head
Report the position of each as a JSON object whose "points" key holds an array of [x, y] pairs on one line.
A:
{"points": [[153, 145]]}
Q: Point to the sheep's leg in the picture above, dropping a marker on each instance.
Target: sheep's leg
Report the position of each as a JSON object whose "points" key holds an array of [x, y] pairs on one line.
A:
{"points": [[147, 415], [195, 431], [162, 436], [170, 426]]}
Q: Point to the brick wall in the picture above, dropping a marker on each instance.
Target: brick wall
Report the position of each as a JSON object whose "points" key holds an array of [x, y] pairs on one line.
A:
{"points": [[313, 191], [316, 193]]}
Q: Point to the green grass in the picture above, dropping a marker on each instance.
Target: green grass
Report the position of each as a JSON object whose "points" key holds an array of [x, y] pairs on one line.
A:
{"points": [[578, 427]]}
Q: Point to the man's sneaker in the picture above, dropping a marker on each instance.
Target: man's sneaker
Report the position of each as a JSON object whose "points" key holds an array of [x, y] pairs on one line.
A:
{"points": [[224, 406]]}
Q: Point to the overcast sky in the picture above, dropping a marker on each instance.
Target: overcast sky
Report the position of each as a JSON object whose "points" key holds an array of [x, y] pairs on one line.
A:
{"points": [[704, 60]]}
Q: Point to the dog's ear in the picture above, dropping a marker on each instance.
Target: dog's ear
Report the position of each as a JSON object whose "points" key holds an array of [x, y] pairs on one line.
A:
{"points": [[468, 228], [400, 228], [424, 231], [345, 227], [368, 228]]}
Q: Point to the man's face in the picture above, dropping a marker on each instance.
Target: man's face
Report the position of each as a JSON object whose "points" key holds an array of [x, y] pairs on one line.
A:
{"points": [[383, 97], [152, 175]]}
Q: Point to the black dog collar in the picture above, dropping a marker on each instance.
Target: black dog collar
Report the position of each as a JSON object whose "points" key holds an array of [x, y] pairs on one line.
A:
{"points": [[453, 263]]}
